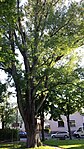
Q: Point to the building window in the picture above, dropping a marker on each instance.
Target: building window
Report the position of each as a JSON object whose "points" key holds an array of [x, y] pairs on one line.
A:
{"points": [[60, 124], [72, 123]]}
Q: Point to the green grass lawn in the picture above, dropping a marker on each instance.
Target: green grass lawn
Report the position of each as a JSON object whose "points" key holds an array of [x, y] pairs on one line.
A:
{"points": [[20, 146], [66, 144]]}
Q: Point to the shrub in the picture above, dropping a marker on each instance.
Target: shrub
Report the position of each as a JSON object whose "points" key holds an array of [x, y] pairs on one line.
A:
{"points": [[9, 134], [47, 130]]}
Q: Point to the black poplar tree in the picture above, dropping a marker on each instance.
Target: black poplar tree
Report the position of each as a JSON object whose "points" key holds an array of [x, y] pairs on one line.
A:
{"points": [[41, 32]]}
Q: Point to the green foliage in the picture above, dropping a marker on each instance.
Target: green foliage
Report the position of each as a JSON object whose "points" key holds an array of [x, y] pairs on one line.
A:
{"points": [[2, 91], [66, 91], [33, 37], [47, 130], [7, 114], [9, 134]]}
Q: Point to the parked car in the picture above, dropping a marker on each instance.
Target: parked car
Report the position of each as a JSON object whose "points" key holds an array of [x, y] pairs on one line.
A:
{"points": [[79, 132], [61, 134], [22, 134]]}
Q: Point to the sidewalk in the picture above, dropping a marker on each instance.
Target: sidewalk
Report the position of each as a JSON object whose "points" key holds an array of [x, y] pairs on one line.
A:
{"points": [[57, 148], [54, 147]]}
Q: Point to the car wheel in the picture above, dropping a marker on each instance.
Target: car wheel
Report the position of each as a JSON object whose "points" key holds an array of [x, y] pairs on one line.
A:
{"points": [[53, 136], [77, 136], [65, 137]]}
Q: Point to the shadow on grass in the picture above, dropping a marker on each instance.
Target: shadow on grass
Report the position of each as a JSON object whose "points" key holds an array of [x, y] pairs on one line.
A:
{"points": [[12, 146]]}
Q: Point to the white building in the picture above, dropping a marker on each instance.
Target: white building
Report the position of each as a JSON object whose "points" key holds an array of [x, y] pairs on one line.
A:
{"points": [[76, 120]]}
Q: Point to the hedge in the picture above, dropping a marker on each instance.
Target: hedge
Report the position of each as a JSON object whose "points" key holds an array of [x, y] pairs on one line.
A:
{"points": [[9, 135]]}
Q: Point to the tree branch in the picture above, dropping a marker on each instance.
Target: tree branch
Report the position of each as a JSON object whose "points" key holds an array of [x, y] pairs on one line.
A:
{"points": [[56, 31], [24, 54], [41, 103]]}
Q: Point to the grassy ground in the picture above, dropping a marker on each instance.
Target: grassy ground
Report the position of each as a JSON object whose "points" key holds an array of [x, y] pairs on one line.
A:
{"points": [[20, 146], [66, 144]]}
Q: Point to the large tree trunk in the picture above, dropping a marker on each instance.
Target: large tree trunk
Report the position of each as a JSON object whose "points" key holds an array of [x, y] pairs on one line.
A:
{"points": [[30, 123], [42, 125], [33, 138], [31, 135], [30, 127], [27, 111], [25, 98]]}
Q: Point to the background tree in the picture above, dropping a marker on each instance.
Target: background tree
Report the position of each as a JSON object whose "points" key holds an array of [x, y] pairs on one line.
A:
{"points": [[6, 110], [2, 95], [2, 91], [8, 114], [67, 85], [42, 32], [68, 94]]}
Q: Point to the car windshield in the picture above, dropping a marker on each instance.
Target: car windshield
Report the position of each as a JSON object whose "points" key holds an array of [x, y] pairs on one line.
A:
{"points": [[61, 132], [80, 129]]}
